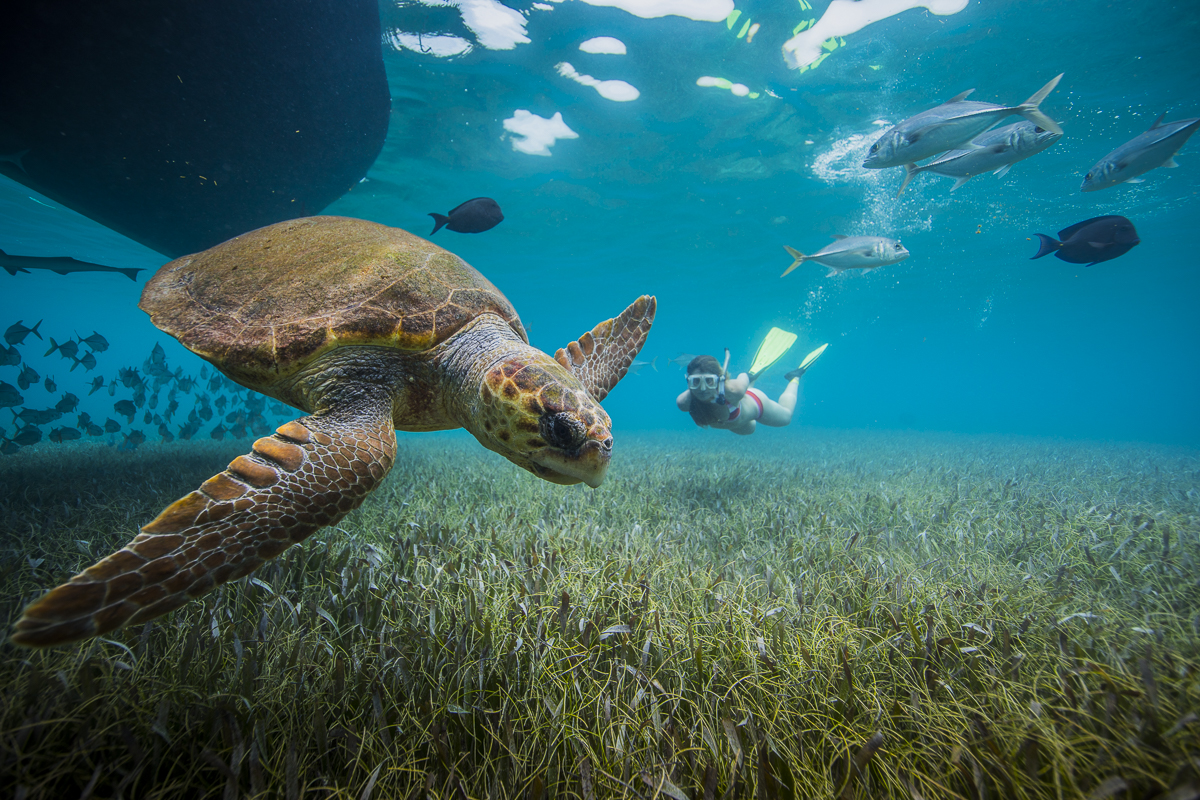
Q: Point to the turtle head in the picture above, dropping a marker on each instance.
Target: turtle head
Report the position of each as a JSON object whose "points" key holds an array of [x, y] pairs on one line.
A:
{"points": [[539, 416]]}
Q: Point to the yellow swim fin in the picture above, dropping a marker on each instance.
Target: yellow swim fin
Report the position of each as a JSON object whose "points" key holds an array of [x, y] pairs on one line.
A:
{"points": [[806, 363], [774, 345]]}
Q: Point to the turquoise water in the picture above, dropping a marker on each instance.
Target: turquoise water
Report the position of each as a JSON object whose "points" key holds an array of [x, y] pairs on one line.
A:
{"points": [[690, 192]]}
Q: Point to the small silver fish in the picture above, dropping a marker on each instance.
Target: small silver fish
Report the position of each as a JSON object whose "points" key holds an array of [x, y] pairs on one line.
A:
{"points": [[637, 365], [682, 360], [951, 125], [1154, 148], [852, 252], [994, 151]]}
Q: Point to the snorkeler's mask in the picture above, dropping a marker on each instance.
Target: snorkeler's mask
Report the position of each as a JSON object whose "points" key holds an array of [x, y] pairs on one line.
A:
{"points": [[704, 381]]}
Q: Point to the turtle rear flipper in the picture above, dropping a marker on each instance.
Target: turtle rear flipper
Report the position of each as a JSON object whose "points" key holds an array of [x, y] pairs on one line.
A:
{"points": [[309, 474], [602, 356]]}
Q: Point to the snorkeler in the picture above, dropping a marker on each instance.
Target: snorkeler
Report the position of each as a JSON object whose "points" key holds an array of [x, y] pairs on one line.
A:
{"points": [[717, 401]]}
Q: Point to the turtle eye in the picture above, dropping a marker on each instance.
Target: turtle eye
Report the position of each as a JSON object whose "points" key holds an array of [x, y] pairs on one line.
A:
{"points": [[562, 430]]}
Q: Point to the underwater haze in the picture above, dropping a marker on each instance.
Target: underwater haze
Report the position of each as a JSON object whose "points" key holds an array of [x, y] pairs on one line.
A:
{"points": [[691, 192], [968, 568]]}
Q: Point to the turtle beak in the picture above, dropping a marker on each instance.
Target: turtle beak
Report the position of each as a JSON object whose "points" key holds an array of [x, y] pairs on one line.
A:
{"points": [[588, 464]]}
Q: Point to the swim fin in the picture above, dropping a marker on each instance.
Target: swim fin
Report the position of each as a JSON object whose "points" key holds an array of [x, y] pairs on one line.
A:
{"points": [[773, 346], [806, 363]]}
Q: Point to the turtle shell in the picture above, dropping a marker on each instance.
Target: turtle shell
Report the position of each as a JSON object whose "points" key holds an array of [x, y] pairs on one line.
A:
{"points": [[264, 304]]}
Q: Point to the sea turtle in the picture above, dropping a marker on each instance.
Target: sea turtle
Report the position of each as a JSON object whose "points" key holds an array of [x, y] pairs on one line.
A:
{"points": [[370, 330]]}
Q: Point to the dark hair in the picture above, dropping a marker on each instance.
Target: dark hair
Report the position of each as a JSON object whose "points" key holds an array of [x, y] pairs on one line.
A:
{"points": [[706, 413], [704, 364]]}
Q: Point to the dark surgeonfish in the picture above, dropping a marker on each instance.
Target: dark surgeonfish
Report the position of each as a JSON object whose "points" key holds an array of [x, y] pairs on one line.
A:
{"points": [[17, 332], [38, 416], [61, 265], [9, 396], [1091, 241], [97, 385], [133, 439], [27, 436], [60, 435], [474, 216], [96, 342], [8, 447], [111, 425], [67, 404], [950, 125], [28, 377], [125, 408], [50, 385], [9, 356], [68, 349], [1154, 148], [88, 361]]}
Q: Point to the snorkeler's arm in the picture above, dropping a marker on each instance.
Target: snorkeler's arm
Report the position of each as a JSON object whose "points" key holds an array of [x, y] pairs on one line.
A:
{"points": [[684, 401], [736, 388]]}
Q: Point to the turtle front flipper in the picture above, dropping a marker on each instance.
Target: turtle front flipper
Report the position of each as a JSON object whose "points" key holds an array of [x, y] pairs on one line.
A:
{"points": [[309, 474], [602, 356]]}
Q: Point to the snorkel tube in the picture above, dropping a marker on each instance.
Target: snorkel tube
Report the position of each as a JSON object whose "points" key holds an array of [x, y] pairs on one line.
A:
{"points": [[721, 379]]}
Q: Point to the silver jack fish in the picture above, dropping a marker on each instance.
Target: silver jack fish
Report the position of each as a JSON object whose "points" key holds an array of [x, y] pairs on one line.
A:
{"points": [[1154, 148], [994, 151], [852, 252], [950, 125]]}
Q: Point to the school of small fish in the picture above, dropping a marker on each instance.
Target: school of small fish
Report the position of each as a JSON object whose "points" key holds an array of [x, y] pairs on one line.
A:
{"points": [[240, 413]]}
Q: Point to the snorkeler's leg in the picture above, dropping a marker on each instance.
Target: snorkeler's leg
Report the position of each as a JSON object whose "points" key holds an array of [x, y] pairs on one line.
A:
{"points": [[778, 414]]}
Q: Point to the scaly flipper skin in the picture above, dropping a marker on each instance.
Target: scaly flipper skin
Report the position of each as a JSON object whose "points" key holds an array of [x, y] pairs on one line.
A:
{"points": [[310, 474], [602, 356]]}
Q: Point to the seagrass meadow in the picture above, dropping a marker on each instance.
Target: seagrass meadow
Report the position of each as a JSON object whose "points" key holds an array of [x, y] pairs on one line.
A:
{"points": [[821, 615]]}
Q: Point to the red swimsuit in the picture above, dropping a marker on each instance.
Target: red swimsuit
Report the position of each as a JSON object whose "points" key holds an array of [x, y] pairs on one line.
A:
{"points": [[736, 411]]}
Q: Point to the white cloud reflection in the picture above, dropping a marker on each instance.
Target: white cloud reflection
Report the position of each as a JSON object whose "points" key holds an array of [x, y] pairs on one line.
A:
{"points": [[844, 17], [604, 44], [535, 135], [619, 91], [441, 46], [699, 10], [495, 25]]}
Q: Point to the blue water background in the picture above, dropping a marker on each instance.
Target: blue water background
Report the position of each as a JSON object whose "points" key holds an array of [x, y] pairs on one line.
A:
{"points": [[690, 193]]}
